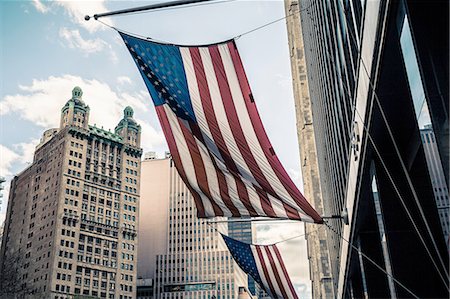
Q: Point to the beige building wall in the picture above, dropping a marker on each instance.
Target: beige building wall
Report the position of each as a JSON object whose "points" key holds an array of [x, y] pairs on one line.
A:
{"points": [[153, 215], [318, 253], [195, 263]]}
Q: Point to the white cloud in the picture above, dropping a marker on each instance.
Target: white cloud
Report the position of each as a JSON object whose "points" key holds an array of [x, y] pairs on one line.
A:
{"points": [[123, 80], [73, 39], [150, 138], [77, 10], [27, 150], [41, 7], [7, 159], [41, 103], [293, 251]]}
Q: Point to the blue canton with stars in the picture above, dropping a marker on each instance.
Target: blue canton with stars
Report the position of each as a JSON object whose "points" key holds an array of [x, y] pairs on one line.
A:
{"points": [[162, 69], [243, 256]]}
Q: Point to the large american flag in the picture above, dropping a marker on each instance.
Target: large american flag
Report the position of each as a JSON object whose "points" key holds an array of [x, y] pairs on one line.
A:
{"points": [[214, 132], [265, 265]]}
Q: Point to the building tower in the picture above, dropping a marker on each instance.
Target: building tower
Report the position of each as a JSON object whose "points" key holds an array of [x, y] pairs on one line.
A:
{"points": [[377, 74], [71, 224], [317, 246], [186, 258]]}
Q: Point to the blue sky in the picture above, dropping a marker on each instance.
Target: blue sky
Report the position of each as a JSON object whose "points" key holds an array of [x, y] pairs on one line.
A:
{"points": [[46, 48]]}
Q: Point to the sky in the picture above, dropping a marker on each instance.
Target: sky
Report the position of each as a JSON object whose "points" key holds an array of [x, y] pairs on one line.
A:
{"points": [[47, 48]]}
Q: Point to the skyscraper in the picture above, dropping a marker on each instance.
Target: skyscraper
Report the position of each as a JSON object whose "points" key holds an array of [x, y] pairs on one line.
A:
{"points": [[378, 74], [317, 246], [186, 258], [245, 232], [71, 223]]}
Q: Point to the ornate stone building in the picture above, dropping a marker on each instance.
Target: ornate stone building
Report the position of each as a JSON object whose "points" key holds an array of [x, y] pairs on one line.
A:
{"points": [[72, 217]]}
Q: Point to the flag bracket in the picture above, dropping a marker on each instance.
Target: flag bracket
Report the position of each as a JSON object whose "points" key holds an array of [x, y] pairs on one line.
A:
{"points": [[343, 216]]}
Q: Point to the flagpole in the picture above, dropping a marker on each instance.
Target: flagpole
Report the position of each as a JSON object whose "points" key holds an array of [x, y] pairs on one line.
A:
{"points": [[144, 8]]}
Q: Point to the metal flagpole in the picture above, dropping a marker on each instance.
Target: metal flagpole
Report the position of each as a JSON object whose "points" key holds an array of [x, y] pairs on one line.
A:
{"points": [[143, 8]]}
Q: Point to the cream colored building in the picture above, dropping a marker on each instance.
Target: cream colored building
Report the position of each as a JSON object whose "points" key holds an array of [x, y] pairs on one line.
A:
{"points": [[318, 252], [72, 218], [183, 255]]}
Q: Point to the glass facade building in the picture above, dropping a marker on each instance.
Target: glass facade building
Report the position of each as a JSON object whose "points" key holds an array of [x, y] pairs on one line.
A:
{"points": [[378, 77]]}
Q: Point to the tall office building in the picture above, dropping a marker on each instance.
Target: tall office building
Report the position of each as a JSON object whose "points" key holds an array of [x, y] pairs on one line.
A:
{"points": [[245, 232], [377, 73], [71, 224], [184, 256], [317, 246]]}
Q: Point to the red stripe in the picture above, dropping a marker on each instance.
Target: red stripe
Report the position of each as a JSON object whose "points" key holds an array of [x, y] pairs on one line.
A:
{"points": [[264, 140], [223, 186], [214, 128], [286, 275], [177, 159], [266, 274], [291, 212], [239, 136], [273, 265], [199, 167]]}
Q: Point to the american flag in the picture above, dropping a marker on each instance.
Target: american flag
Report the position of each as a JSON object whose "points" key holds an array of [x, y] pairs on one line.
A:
{"points": [[265, 265], [214, 132]]}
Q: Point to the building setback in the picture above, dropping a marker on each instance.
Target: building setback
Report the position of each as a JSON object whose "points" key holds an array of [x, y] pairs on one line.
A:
{"points": [[71, 223], [187, 258], [378, 74]]}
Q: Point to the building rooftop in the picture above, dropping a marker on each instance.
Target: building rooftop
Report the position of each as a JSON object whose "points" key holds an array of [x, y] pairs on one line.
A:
{"points": [[103, 133]]}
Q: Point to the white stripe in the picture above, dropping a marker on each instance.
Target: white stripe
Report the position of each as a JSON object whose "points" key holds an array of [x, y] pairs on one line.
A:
{"points": [[260, 269], [207, 136], [247, 128], [211, 175], [186, 159], [203, 124], [221, 117], [278, 207], [283, 278], [271, 273]]}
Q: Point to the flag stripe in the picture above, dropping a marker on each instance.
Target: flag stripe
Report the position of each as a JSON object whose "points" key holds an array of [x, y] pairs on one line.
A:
{"points": [[214, 128], [310, 213], [274, 268], [232, 96], [206, 135], [176, 157], [293, 294], [199, 166], [238, 134], [186, 159], [271, 181], [262, 265]]}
